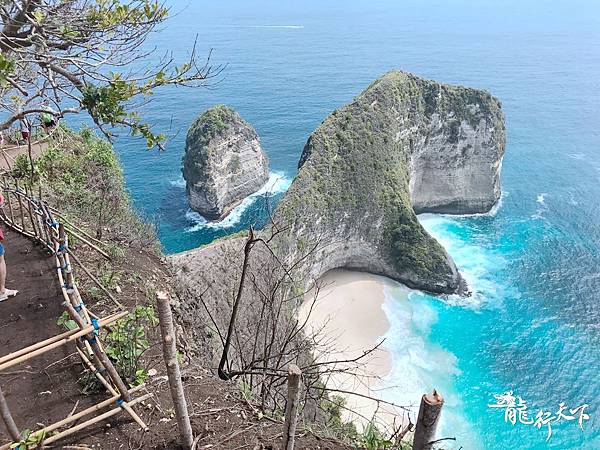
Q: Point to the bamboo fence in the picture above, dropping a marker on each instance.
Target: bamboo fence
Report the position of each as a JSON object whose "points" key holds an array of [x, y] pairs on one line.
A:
{"points": [[33, 218]]}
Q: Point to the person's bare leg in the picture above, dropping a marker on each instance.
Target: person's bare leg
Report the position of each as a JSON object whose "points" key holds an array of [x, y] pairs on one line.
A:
{"points": [[2, 274]]}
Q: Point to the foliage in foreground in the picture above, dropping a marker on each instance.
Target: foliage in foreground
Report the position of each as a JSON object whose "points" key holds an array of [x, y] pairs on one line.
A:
{"points": [[70, 57], [29, 440]]}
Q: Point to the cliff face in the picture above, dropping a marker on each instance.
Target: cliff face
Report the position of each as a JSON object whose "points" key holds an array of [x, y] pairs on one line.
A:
{"points": [[456, 157], [405, 144], [223, 162]]}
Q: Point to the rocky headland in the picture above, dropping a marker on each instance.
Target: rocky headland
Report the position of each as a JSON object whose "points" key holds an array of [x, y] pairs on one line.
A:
{"points": [[223, 162], [403, 146]]}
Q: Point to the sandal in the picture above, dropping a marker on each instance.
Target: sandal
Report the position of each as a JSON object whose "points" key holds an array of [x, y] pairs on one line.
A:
{"points": [[8, 293]]}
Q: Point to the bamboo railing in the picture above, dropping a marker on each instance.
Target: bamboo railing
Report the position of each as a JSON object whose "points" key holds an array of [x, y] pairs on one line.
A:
{"points": [[33, 218]]}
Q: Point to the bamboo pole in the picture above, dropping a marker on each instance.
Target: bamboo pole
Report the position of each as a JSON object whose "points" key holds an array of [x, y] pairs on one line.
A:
{"points": [[12, 221], [70, 291], [40, 344], [92, 421], [20, 201], [79, 415], [427, 421], [63, 260], [46, 220], [88, 243], [30, 213], [173, 371], [8, 419], [8, 164], [95, 280], [102, 359], [18, 229], [291, 407], [73, 301], [80, 230], [8, 201], [112, 390], [82, 332], [45, 235]]}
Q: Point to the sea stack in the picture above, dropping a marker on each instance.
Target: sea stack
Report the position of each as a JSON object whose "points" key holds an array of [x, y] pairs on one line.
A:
{"points": [[404, 145], [223, 163]]}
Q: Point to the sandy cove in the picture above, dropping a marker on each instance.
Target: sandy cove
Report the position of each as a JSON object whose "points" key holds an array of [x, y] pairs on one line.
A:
{"points": [[348, 318]]}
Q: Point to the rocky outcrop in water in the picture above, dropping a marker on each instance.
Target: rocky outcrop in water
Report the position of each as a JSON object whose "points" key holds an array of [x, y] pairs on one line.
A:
{"points": [[223, 162], [404, 145]]}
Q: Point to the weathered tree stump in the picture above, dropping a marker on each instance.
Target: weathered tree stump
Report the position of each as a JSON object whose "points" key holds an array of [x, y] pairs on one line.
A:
{"points": [[174, 373], [429, 415], [8, 419], [291, 408]]}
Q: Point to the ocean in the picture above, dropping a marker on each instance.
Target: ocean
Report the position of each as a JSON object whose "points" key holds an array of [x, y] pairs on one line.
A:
{"points": [[532, 325]]}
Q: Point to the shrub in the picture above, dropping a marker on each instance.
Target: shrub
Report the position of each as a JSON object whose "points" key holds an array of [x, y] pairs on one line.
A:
{"points": [[125, 342]]}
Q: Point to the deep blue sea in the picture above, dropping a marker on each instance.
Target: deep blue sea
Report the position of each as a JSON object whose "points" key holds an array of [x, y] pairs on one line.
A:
{"points": [[533, 323]]}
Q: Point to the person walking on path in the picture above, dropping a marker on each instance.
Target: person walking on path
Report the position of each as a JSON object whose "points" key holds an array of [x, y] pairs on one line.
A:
{"points": [[24, 130], [4, 292], [47, 118]]}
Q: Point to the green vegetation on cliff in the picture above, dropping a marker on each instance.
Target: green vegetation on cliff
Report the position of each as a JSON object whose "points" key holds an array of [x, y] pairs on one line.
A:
{"points": [[354, 177], [211, 123], [81, 176]]}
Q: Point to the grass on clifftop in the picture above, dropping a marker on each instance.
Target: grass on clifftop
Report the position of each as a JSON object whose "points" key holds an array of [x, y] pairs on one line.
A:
{"points": [[356, 165], [211, 123], [81, 177]]}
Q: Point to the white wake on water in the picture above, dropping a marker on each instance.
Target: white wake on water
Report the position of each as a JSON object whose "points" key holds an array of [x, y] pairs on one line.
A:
{"points": [[293, 27], [277, 183], [541, 200], [419, 362]]}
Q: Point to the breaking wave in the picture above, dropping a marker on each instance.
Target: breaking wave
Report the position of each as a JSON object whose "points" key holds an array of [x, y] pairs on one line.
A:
{"points": [[277, 183]]}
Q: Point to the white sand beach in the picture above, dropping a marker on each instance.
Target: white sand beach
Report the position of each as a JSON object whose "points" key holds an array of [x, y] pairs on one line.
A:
{"points": [[348, 317]]}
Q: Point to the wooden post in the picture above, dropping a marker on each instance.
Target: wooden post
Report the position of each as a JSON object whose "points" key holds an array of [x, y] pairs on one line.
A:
{"points": [[170, 355], [8, 419], [429, 415], [291, 407]]}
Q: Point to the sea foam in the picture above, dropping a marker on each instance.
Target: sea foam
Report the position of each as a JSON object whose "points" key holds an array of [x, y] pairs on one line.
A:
{"points": [[277, 183], [418, 364], [475, 263]]}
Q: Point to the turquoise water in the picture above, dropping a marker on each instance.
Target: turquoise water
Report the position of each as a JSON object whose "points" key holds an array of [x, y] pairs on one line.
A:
{"points": [[532, 325]]}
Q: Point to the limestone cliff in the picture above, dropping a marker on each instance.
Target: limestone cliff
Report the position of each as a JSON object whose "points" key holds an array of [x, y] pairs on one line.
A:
{"points": [[223, 162], [405, 144]]}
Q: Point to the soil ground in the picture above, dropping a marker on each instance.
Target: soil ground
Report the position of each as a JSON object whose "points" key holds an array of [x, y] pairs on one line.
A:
{"points": [[45, 389]]}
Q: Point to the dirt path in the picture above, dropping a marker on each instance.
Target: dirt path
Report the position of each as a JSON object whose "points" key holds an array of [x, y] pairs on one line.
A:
{"points": [[45, 389], [35, 392], [10, 153]]}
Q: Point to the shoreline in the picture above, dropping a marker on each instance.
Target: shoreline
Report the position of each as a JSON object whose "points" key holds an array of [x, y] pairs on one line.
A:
{"points": [[348, 319]]}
